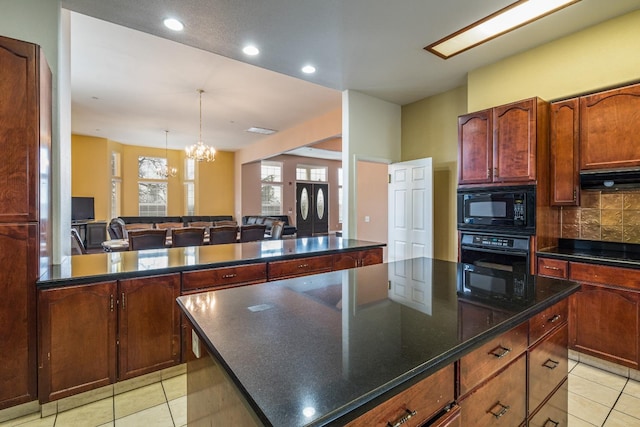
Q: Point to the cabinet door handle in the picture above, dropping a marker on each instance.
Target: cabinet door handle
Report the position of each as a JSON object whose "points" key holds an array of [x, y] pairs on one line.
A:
{"points": [[555, 318], [500, 351], [403, 419], [550, 423], [495, 172], [501, 410], [124, 301], [488, 172], [111, 302], [229, 276], [551, 364]]}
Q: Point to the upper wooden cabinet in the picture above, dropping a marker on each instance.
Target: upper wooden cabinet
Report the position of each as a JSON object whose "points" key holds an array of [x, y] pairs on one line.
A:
{"points": [[610, 129], [503, 145], [564, 148]]}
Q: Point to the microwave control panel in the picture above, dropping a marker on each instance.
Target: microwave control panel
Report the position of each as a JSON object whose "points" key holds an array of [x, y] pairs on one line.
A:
{"points": [[518, 210]]}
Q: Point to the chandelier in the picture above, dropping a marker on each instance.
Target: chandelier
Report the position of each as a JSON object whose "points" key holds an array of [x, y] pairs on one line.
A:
{"points": [[199, 151], [165, 170]]}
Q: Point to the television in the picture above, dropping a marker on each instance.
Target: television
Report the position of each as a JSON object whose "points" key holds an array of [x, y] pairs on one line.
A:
{"points": [[82, 209]]}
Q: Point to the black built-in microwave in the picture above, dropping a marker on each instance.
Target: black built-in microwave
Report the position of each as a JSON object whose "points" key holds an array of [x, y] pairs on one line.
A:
{"points": [[505, 209]]}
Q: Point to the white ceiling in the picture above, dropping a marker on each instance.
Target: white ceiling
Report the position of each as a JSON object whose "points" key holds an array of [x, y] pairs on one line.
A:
{"points": [[145, 83]]}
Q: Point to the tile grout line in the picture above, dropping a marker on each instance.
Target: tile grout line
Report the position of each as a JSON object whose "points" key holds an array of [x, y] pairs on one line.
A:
{"points": [[614, 403], [166, 399]]}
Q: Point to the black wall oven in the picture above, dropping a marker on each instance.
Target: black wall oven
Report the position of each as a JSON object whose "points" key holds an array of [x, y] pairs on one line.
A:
{"points": [[495, 266], [502, 209]]}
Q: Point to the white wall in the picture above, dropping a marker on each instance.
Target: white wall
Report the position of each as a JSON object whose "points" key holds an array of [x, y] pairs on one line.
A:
{"points": [[371, 130]]}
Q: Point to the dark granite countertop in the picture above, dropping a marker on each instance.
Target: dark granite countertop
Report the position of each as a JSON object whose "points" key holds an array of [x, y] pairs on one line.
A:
{"points": [[117, 265], [333, 345], [596, 252]]}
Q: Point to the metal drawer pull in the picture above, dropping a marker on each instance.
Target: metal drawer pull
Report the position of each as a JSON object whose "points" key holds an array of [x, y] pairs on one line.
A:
{"points": [[503, 410], [551, 364], [402, 419], [229, 276], [550, 267], [500, 351], [555, 318], [303, 266], [550, 423]]}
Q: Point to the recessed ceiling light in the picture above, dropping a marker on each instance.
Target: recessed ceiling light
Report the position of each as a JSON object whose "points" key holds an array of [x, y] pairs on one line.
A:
{"points": [[308, 69], [511, 17], [250, 50], [173, 24], [263, 131]]}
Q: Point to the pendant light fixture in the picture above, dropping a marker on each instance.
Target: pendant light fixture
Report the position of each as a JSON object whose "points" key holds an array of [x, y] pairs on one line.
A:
{"points": [[165, 170], [199, 151]]}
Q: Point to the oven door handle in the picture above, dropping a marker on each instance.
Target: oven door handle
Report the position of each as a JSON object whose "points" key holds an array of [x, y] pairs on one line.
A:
{"points": [[495, 250]]}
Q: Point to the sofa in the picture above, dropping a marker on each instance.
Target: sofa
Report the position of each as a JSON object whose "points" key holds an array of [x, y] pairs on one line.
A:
{"points": [[267, 220], [118, 226]]}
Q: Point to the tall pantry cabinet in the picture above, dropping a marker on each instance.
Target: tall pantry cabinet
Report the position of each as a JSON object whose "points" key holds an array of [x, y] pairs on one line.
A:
{"points": [[25, 144]]}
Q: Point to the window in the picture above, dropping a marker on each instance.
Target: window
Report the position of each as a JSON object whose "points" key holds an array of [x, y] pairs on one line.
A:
{"points": [[116, 184], [311, 173], [340, 195], [189, 186], [152, 195], [271, 177]]}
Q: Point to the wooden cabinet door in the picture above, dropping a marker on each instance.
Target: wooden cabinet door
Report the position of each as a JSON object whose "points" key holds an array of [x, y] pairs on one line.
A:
{"points": [[604, 322], [77, 339], [19, 260], [514, 142], [19, 130], [346, 260], [610, 129], [548, 366], [475, 152], [555, 411], [564, 143], [149, 324]]}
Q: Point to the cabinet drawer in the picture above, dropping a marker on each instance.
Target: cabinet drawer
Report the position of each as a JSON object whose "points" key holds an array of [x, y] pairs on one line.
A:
{"points": [[553, 268], [548, 364], [548, 320], [499, 402], [224, 277], [300, 267], [606, 275], [485, 361], [554, 412], [422, 401]]}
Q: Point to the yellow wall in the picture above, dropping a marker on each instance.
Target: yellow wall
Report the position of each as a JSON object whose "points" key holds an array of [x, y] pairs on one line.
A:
{"points": [[215, 193], [91, 177], [430, 129], [90, 172], [599, 57]]}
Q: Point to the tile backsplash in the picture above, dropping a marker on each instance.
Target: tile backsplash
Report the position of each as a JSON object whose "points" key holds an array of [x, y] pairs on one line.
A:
{"points": [[603, 215]]}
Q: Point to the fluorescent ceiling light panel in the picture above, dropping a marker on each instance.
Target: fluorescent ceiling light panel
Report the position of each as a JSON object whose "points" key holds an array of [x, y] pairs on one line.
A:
{"points": [[262, 131], [511, 17]]}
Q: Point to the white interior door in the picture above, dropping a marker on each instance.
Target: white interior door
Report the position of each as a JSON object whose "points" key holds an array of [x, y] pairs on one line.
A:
{"points": [[410, 209]]}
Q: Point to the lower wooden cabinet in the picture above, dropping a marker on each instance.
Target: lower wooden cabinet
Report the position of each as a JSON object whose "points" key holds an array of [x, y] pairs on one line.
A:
{"points": [[554, 412], [415, 405], [501, 401], [548, 366], [92, 335], [354, 259], [77, 339], [605, 313]]}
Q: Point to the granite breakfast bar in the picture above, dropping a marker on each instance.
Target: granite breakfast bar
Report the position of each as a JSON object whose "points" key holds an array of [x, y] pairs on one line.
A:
{"points": [[403, 343]]}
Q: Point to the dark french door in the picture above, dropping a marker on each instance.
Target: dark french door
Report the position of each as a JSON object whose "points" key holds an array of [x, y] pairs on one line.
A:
{"points": [[312, 209]]}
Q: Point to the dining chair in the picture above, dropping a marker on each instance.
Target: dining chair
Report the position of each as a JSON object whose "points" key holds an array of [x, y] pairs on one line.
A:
{"points": [[250, 233], [225, 223], [188, 236], [205, 224], [277, 227], [147, 239], [77, 246], [225, 234]]}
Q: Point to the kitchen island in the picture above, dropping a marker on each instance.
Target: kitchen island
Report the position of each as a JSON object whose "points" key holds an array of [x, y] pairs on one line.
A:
{"points": [[391, 343]]}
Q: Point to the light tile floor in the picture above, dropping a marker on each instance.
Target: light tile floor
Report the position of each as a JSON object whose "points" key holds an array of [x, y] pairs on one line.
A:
{"points": [[596, 398]]}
